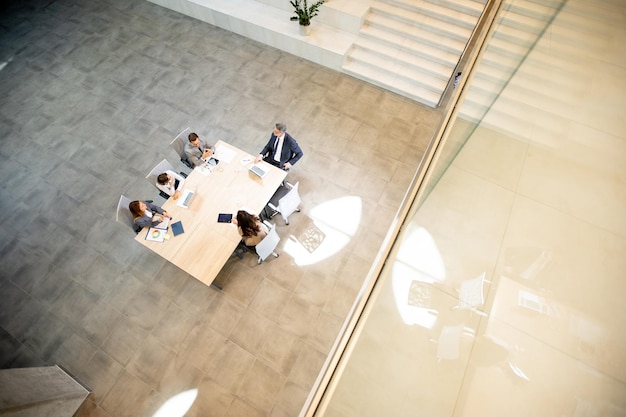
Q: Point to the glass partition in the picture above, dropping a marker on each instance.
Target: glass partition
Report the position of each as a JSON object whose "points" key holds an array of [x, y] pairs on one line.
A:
{"points": [[429, 341]]}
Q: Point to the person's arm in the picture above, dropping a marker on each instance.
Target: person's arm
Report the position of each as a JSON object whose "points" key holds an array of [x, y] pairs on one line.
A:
{"points": [[296, 152], [180, 178], [142, 222], [207, 150], [156, 209], [265, 149]]}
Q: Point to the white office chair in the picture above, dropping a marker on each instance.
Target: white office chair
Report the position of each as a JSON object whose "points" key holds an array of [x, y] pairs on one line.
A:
{"points": [[286, 200], [123, 213], [178, 144], [161, 167], [266, 247]]}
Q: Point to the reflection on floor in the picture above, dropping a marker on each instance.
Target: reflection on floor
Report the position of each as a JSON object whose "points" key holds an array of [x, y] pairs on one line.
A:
{"points": [[91, 95], [505, 296]]}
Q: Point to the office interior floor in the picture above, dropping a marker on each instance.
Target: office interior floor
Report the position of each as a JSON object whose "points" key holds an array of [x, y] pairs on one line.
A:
{"points": [[91, 94]]}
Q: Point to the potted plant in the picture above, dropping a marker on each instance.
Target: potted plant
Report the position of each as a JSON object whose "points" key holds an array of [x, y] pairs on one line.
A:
{"points": [[304, 13]]}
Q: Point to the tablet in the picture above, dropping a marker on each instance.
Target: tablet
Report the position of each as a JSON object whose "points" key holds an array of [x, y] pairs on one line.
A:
{"points": [[224, 218]]}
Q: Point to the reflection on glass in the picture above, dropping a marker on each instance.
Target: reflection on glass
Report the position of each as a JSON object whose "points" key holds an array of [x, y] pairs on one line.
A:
{"points": [[417, 266], [471, 294], [449, 341], [419, 252], [517, 371]]}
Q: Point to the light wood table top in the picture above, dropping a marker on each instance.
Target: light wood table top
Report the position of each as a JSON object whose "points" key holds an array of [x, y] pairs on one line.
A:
{"points": [[206, 245]]}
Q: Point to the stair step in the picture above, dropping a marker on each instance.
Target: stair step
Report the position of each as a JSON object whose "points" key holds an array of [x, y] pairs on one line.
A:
{"points": [[413, 46], [522, 22], [398, 84], [410, 22], [454, 44], [429, 50], [404, 56], [470, 7], [537, 11], [426, 80], [515, 35], [504, 47], [417, 10], [387, 58]]}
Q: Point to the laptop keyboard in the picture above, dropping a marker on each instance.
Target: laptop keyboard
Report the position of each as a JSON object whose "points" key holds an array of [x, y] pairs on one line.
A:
{"points": [[188, 199], [258, 171]]}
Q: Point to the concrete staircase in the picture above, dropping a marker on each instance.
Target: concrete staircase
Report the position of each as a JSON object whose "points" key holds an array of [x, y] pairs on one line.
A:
{"points": [[413, 46], [410, 47], [518, 28]]}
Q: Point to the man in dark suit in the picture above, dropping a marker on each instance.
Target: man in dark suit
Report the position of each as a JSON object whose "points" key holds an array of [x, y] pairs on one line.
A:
{"points": [[282, 150]]}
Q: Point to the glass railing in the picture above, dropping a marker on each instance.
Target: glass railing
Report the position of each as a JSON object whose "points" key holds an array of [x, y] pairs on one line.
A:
{"points": [[360, 377]]}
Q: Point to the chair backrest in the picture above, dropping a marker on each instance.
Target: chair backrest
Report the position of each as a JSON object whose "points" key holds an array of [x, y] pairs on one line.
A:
{"points": [[161, 167], [123, 215], [289, 202], [178, 144], [266, 247]]}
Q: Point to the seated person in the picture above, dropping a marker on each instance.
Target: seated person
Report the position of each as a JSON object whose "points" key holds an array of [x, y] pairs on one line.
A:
{"points": [[250, 227], [146, 214], [197, 150], [170, 183]]}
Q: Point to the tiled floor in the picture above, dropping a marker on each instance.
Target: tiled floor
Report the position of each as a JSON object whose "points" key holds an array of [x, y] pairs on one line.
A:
{"points": [[91, 94]]}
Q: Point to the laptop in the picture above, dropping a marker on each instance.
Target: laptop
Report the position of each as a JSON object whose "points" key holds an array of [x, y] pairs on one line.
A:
{"points": [[186, 199], [257, 170]]}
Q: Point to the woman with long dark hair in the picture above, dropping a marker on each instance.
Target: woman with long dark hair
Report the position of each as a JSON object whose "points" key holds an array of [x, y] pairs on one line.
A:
{"points": [[251, 228]]}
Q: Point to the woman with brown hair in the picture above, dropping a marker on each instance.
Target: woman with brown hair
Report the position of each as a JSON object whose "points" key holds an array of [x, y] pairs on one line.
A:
{"points": [[250, 227], [146, 214]]}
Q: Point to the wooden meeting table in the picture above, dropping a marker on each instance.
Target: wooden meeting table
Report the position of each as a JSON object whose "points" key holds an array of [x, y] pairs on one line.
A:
{"points": [[206, 245]]}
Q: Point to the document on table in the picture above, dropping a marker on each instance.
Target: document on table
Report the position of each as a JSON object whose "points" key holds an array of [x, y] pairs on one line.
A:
{"points": [[156, 235], [164, 224], [224, 154]]}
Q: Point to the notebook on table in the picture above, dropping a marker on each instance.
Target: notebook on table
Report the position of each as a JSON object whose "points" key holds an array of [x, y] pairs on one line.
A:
{"points": [[177, 228]]}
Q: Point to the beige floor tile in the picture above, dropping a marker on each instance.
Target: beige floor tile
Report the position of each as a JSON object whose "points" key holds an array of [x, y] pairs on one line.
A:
{"points": [[151, 361], [231, 366], [261, 386]]}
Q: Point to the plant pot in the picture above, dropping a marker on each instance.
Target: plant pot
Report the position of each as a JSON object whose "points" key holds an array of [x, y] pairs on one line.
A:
{"points": [[305, 30]]}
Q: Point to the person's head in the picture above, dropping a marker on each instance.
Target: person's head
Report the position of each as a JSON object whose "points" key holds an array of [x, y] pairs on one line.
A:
{"points": [[248, 223], [163, 178], [194, 139], [279, 129], [137, 208]]}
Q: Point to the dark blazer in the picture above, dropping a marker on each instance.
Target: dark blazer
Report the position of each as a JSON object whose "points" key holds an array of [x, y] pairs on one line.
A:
{"points": [[146, 221], [291, 151]]}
